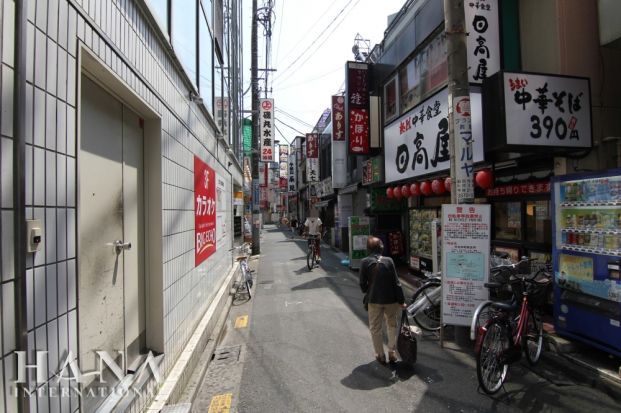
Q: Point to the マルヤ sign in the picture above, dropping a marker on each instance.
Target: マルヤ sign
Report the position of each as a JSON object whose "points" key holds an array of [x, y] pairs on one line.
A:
{"points": [[204, 211]]}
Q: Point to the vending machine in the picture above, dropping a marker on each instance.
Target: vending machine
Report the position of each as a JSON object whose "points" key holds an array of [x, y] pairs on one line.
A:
{"points": [[587, 258]]}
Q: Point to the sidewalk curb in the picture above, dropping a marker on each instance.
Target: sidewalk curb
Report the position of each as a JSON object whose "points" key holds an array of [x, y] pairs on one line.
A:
{"points": [[585, 373]]}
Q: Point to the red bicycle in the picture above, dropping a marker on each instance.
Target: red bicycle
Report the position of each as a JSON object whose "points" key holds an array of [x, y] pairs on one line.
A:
{"points": [[502, 339]]}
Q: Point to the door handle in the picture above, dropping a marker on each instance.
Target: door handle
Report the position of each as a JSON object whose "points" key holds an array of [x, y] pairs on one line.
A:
{"points": [[120, 246]]}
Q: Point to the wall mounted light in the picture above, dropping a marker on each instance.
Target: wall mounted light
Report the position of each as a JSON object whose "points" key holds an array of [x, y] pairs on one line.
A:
{"points": [[196, 98]]}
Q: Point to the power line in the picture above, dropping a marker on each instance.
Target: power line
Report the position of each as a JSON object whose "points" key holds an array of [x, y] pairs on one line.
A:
{"points": [[290, 116], [282, 134], [311, 79], [289, 126], [317, 38]]}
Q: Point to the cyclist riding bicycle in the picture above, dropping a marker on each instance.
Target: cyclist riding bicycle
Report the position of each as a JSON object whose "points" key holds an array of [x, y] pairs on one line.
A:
{"points": [[312, 226]]}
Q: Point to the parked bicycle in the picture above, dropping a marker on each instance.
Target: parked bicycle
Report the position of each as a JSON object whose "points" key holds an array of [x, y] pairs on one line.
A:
{"points": [[513, 328], [243, 286]]}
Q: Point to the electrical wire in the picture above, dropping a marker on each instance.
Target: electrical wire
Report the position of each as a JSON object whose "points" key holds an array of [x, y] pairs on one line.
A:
{"points": [[289, 126], [290, 116], [284, 87], [316, 39]]}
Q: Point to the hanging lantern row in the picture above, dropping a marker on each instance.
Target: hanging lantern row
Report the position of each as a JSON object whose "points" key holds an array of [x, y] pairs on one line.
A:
{"points": [[483, 179]]}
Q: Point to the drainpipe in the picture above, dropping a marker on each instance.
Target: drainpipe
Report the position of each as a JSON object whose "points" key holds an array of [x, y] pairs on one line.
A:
{"points": [[19, 186]]}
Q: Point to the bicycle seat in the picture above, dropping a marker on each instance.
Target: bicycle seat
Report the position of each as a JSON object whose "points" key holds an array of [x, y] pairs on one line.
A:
{"points": [[241, 258], [492, 285], [505, 306]]}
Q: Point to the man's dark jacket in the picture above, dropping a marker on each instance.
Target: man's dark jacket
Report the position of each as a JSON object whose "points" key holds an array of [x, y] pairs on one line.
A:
{"points": [[382, 284]]}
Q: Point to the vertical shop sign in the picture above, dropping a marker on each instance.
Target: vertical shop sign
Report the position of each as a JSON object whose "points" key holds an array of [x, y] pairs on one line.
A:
{"points": [[339, 144], [312, 157], [357, 107], [483, 43], [464, 169], [283, 160], [465, 260], [204, 211], [266, 128], [293, 173], [338, 118]]}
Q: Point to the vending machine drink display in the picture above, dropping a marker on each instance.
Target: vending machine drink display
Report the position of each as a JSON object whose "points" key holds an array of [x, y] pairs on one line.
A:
{"points": [[587, 258]]}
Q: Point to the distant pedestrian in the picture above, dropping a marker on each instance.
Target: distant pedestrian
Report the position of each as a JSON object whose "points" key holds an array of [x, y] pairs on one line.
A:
{"points": [[378, 278], [294, 226]]}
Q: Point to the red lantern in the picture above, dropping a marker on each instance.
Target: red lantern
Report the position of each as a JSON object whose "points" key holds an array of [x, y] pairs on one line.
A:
{"points": [[425, 188], [484, 178], [447, 184], [437, 186], [396, 191], [415, 189], [389, 193], [405, 191]]}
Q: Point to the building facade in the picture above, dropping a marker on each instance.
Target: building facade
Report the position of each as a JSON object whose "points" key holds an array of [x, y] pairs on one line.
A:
{"points": [[110, 109]]}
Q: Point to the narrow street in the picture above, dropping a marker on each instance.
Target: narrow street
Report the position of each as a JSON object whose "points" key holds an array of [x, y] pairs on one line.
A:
{"points": [[301, 344]]}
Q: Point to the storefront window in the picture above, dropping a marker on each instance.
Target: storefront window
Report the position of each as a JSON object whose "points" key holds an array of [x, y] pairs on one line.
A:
{"points": [[538, 223], [184, 35], [390, 99], [205, 82], [409, 85], [507, 220], [160, 11]]}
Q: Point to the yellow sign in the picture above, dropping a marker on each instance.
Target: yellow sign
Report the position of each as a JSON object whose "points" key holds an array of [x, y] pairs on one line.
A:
{"points": [[241, 321], [221, 403], [576, 267]]}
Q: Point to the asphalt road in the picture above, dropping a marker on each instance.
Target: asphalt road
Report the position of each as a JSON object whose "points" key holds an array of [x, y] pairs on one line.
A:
{"points": [[306, 348]]}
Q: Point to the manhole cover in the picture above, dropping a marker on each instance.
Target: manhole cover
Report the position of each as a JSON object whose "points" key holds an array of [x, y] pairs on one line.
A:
{"points": [[226, 355]]}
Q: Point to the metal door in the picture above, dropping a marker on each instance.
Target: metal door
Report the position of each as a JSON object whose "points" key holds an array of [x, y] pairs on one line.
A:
{"points": [[111, 226]]}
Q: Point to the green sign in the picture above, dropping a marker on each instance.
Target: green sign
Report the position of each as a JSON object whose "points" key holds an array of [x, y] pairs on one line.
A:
{"points": [[359, 231], [381, 203], [247, 132]]}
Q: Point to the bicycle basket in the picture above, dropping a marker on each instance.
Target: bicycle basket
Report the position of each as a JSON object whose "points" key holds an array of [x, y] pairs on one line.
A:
{"points": [[538, 290]]}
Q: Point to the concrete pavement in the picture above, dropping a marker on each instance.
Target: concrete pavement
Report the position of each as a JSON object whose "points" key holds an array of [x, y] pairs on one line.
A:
{"points": [[305, 347]]}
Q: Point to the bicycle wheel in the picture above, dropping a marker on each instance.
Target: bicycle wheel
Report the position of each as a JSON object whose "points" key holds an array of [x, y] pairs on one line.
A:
{"points": [[310, 258], [484, 315], [492, 366], [532, 341], [427, 302], [248, 287]]}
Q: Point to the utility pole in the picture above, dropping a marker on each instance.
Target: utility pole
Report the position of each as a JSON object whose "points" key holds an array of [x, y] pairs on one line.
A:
{"points": [[460, 128], [256, 211]]}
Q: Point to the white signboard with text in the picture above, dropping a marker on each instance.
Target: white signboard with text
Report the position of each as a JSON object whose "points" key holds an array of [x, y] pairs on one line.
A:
{"points": [[418, 142], [266, 129], [547, 110], [466, 232], [483, 41]]}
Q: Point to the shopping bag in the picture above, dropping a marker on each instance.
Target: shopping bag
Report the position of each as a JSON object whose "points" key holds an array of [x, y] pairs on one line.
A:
{"points": [[407, 345]]}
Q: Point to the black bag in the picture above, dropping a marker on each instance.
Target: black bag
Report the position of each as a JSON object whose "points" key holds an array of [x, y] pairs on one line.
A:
{"points": [[406, 341]]}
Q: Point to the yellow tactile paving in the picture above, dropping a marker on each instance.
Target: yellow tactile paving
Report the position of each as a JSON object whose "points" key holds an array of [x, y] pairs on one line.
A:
{"points": [[221, 403], [241, 321]]}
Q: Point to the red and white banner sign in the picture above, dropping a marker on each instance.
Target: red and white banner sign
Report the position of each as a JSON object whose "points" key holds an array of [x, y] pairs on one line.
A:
{"points": [[338, 118], [358, 131], [312, 145], [266, 128], [204, 211]]}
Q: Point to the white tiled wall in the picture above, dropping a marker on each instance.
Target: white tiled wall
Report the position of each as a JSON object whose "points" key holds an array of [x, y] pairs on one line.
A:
{"points": [[117, 32]]}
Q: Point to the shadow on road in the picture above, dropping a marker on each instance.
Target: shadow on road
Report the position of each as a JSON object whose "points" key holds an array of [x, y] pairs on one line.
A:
{"points": [[373, 375]]}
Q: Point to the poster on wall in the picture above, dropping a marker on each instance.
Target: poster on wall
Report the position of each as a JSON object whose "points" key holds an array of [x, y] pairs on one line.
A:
{"points": [[465, 260], [359, 231], [221, 212], [418, 142], [266, 129], [483, 41], [204, 211]]}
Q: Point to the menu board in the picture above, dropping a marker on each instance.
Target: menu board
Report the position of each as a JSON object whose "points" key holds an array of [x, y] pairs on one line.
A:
{"points": [[420, 238], [465, 260]]}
